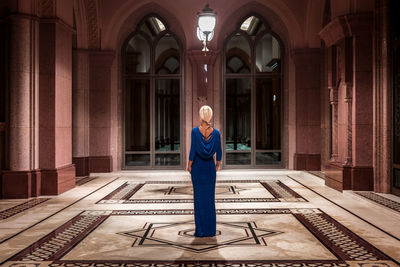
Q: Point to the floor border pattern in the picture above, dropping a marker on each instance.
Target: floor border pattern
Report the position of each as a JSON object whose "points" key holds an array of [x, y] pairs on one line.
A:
{"points": [[381, 200], [85, 179], [343, 243], [21, 207], [280, 191]]}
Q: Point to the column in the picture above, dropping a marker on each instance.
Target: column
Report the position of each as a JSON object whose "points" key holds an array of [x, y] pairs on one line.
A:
{"points": [[58, 172], [80, 111], [362, 107], [308, 112], [100, 158], [353, 36], [382, 100], [22, 179]]}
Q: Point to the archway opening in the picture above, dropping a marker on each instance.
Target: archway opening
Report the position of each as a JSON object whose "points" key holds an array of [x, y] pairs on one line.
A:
{"points": [[152, 60], [253, 96]]}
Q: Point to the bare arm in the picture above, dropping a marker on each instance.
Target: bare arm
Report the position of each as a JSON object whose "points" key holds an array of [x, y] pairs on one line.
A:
{"points": [[189, 167], [218, 166]]}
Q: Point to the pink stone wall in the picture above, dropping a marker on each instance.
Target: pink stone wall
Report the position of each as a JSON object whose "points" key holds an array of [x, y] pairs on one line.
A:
{"points": [[100, 103], [63, 96], [284, 18], [57, 124]]}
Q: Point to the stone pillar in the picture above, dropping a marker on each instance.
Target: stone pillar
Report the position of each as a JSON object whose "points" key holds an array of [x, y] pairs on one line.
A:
{"points": [[333, 101], [382, 100], [308, 111], [362, 108], [80, 112], [352, 35], [58, 172], [333, 87], [202, 81], [100, 159], [22, 180]]}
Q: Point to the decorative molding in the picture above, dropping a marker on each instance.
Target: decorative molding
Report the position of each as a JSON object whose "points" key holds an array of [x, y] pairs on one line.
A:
{"points": [[47, 8], [91, 7]]}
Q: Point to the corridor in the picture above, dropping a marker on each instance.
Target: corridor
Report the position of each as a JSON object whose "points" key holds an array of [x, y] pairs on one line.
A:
{"points": [[145, 218]]}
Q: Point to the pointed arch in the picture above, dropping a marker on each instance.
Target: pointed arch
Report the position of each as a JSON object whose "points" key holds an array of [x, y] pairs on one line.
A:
{"points": [[129, 15], [276, 14]]}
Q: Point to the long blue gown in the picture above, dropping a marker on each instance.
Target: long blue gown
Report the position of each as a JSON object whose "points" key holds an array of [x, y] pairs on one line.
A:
{"points": [[203, 180]]}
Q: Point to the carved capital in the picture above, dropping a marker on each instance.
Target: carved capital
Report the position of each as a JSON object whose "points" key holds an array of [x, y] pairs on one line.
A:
{"points": [[348, 92], [333, 95]]}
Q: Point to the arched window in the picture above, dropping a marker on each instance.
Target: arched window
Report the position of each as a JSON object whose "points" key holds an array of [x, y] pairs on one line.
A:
{"points": [[252, 89], [152, 96]]}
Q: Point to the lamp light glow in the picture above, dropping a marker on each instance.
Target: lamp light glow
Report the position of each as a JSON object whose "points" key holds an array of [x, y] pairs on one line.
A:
{"points": [[206, 25]]}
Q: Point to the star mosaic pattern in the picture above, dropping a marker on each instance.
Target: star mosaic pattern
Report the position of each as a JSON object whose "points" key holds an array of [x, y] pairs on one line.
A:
{"points": [[228, 234]]}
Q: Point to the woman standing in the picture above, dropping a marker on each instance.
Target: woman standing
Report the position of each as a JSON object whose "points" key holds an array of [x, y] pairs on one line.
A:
{"points": [[206, 141]]}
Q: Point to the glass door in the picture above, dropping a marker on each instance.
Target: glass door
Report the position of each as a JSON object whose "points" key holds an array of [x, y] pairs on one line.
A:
{"points": [[252, 93], [152, 98]]}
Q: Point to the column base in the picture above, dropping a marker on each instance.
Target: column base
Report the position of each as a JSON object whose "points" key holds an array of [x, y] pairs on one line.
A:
{"points": [[81, 165], [341, 177], [307, 162], [362, 178], [100, 164], [59, 180], [21, 184]]}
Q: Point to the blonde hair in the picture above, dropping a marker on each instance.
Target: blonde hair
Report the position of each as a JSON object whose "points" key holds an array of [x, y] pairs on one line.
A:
{"points": [[206, 113]]}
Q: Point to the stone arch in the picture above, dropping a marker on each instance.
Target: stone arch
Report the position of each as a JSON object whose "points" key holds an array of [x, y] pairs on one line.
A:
{"points": [[87, 23], [313, 23], [81, 24], [278, 16], [128, 17]]}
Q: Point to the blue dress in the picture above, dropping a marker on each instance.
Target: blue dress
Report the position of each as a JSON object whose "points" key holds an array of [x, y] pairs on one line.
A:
{"points": [[203, 180]]}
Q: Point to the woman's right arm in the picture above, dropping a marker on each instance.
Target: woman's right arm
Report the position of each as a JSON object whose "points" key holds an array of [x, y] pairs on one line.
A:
{"points": [[192, 153]]}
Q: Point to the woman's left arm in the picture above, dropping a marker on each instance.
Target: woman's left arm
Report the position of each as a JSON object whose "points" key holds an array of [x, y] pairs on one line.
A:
{"points": [[219, 154]]}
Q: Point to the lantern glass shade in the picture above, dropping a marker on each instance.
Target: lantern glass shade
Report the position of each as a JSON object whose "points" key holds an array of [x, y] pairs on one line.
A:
{"points": [[207, 22], [201, 36]]}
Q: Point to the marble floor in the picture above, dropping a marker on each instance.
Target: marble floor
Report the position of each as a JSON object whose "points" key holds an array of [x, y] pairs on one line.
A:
{"points": [[264, 218]]}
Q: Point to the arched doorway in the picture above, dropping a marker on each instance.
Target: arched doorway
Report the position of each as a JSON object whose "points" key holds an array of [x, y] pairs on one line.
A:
{"points": [[252, 73], [152, 71]]}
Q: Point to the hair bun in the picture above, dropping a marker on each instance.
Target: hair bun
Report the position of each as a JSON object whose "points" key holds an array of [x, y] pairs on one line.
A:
{"points": [[206, 113]]}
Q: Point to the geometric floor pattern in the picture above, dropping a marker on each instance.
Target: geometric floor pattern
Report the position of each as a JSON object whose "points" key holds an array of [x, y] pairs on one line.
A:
{"points": [[380, 200], [4, 214], [146, 219], [227, 191]]}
